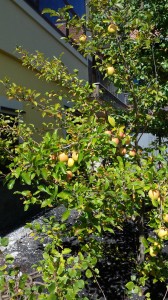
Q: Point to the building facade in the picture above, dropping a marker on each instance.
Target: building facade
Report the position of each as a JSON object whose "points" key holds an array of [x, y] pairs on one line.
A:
{"points": [[22, 25]]}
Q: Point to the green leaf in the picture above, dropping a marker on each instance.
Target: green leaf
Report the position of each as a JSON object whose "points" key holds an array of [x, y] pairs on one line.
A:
{"points": [[65, 215], [4, 241], [10, 184], [70, 294], [108, 229], [151, 240], [111, 121], [9, 258], [52, 287], [119, 5], [61, 269], [133, 277], [52, 297], [154, 202], [88, 273], [64, 195], [44, 173], [43, 188], [106, 185], [26, 176], [66, 251], [145, 242], [17, 172], [130, 285], [80, 284], [98, 227], [80, 157], [120, 160], [26, 193], [26, 207], [72, 273]]}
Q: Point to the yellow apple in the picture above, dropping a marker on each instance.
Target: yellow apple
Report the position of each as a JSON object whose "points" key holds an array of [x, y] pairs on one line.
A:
{"points": [[83, 38], [110, 70], [123, 151], [115, 140], [165, 218], [157, 245], [121, 134], [127, 140], [132, 153], [69, 175], [112, 28], [153, 194], [53, 156], [148, 117], [70, 162], [63, 157], [152, 251], [75, 155], [162, 232], [108, 132]]}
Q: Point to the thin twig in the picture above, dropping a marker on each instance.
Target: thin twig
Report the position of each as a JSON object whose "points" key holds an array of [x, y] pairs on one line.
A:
{"points": [[154, 62], [39, 283], [35, 273], [165, 294], [101, 288]]}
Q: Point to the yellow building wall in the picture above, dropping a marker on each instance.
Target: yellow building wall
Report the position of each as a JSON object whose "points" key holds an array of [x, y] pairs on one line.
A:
{"points": [[22, 26], [12, 69]]}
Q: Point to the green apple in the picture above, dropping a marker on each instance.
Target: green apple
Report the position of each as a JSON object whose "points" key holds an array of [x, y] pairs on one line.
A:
{"points": [[162, 232], [75, 155], [82, 38], [152, 251], [154, 194], [70, 162], [165, 218], [110, 70], [112, 28]]}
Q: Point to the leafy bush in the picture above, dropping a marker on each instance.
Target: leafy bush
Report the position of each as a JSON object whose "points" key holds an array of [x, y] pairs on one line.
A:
{"points": [[97, 170]]}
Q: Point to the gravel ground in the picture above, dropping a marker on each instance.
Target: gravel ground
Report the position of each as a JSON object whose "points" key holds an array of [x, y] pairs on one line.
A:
{"points": [[27, 251]]}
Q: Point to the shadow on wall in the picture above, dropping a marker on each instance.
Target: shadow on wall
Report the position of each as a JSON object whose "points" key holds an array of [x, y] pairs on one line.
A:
{"points": [[12, 214]]}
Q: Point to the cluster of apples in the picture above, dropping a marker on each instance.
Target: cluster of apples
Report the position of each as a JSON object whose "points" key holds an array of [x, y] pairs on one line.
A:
{"points": [[63, 157], [69, 160], [154, 249], [162, 232], [121, 136]]}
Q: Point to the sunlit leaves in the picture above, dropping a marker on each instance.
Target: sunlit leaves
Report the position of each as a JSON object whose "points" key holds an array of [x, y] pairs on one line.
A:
{"points": [[108, 187]]}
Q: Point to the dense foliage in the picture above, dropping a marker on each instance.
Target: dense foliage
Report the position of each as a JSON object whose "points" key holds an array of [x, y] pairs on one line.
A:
{"points": [[89, 159]]}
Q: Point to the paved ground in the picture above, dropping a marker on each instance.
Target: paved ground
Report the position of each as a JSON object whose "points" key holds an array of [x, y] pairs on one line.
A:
{"points": [[27, 252]]}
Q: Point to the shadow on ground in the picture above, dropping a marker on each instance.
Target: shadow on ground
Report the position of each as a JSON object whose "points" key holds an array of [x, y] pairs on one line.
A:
{"points": [[12, 214]]}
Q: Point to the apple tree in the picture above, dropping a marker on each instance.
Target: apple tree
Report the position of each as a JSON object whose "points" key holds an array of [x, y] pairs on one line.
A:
{"points": [[89, 160]]}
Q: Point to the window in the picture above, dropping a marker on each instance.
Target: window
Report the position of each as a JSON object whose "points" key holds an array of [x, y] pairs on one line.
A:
{"points": [[39, 5]]}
